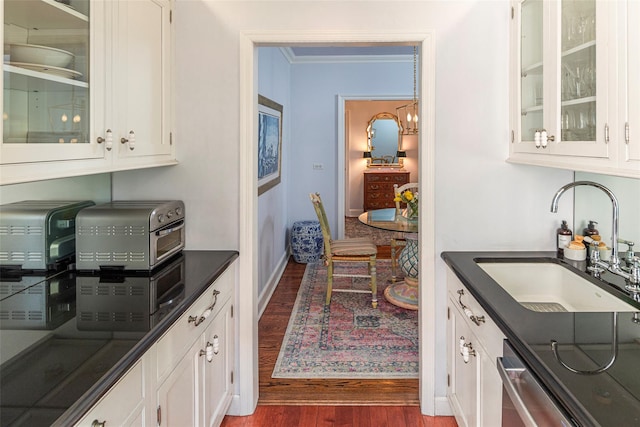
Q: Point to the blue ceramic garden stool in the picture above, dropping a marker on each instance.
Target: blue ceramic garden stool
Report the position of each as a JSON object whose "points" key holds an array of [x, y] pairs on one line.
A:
{"points": [[306, 241]]}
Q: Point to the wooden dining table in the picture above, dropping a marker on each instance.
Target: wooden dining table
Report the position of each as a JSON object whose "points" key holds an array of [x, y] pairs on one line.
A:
{"points": [[403, 293]]}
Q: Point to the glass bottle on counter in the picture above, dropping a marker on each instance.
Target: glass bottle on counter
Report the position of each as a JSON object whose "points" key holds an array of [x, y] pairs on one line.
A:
{"points": [[564, 238]]}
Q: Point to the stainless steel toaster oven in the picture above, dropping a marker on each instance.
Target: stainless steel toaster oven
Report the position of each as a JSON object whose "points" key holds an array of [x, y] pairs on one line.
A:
{"points": [[37, 234], [129, 235]]}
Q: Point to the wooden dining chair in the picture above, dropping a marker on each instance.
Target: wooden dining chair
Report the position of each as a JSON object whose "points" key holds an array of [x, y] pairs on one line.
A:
{"points": [[398, 241], [351, 250]]}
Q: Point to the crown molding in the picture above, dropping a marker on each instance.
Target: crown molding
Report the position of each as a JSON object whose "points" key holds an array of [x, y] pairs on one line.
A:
{"points": [[292, 58]]}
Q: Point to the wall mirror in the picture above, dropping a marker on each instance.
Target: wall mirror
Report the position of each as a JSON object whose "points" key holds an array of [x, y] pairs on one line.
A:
{"points": [[384, 140]]}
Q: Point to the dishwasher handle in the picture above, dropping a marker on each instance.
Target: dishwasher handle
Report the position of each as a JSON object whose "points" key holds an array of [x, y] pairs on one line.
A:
{"points": [[516, 378]]}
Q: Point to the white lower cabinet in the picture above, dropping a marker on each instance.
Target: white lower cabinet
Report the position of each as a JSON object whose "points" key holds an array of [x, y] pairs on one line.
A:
{"points": [[217, 371], [124, 404], [178, 395], [474, 343], [186, 378], [197, 392]]}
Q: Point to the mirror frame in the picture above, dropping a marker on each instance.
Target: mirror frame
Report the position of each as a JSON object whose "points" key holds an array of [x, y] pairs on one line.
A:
{"points": [[378, 116]]}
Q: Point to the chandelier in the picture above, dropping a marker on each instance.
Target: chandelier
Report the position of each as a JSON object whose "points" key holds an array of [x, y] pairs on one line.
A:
{"points": [[408, 114]]}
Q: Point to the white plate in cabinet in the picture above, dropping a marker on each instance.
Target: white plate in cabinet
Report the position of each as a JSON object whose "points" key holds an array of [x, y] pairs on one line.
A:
{"points": [[173, 344]]}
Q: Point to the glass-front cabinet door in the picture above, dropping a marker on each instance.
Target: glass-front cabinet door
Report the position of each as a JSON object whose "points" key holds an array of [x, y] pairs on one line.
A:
{"points": [[563, 69], [47, 86], [531, 69]]}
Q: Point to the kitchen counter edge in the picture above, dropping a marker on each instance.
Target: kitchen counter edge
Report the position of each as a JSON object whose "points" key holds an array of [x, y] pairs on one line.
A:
{"points": [[484, 289], [223, 259]]}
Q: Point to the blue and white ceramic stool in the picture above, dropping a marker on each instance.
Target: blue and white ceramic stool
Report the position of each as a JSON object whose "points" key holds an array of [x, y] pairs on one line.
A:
{"points": [[306, 241]]}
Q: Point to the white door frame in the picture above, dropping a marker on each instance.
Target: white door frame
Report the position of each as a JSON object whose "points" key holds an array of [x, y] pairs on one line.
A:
{"points": [[246, 392]]}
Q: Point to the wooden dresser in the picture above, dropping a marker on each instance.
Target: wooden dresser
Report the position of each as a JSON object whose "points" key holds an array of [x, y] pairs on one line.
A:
{"points": [[378, 187]]}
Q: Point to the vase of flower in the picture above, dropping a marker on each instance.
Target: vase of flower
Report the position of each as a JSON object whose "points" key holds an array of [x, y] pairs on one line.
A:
{"points": [[412, 209], [411, 200]]}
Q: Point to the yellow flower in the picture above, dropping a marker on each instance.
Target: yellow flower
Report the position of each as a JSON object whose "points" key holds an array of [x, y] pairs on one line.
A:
{"points": [[397, 199], [408, 195]]}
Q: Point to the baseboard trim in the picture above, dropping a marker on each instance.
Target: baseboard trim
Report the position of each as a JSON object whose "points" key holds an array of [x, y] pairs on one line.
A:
{"points": [[272, 283], [442, 406]]}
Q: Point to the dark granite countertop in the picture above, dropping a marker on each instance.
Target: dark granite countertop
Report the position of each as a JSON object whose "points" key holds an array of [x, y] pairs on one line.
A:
{"points": [[610, 398], [63, 345]]}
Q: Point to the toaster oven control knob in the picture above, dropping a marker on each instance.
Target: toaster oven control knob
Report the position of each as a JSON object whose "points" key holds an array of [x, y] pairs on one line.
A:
{"points": [[160, 218], [170, 214], [178, 211]]}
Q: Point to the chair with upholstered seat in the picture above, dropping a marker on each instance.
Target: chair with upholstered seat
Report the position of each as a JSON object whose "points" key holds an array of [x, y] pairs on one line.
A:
{"points": [[350, 250], [398, 240]]}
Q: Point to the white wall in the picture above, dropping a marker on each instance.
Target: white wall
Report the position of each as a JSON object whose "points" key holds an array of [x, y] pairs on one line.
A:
{"points": [[92, 187], [481, 202], [315, 90], [592, 204]]}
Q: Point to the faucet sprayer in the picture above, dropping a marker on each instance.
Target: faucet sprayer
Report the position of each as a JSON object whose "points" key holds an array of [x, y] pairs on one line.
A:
{"points": [[614, 263]]}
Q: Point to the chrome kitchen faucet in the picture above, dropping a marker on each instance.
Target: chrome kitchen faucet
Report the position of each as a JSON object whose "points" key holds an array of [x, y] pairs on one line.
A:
{"points": [[633, 277]]}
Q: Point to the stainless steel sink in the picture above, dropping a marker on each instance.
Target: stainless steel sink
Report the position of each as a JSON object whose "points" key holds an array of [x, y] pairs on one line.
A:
{"points": [[546, 286]]}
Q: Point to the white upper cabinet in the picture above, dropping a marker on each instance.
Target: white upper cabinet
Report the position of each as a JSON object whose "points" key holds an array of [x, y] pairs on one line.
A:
{"points": [[567, 84], [143, 71], [86, 89], [630, 108]]}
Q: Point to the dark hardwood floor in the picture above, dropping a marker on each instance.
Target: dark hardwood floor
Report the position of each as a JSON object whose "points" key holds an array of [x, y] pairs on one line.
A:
{"points": [[324, 402], [343, 416]]}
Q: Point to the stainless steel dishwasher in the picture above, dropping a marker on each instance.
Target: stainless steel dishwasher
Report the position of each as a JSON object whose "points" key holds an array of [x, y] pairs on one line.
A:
{"points": [[525, 402]]}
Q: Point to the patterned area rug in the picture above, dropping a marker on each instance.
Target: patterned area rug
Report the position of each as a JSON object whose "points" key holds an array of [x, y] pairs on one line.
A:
{"points": [[348, 338]]}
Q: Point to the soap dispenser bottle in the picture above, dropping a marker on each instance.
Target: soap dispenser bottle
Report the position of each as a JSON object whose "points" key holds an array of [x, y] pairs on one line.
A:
{"points": [[564, 238], [591, 231]]}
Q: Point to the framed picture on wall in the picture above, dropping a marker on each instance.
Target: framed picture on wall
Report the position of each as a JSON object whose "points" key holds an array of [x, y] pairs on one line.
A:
{"points": [[269, 144]]}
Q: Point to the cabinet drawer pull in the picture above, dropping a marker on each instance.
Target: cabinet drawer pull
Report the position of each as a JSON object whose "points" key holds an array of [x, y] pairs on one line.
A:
{"points": [[97, 423], [466, 350], [198, 320], [467, 311]]}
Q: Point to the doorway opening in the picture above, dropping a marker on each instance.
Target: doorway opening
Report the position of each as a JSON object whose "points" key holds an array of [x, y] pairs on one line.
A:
{"points": [[247, 351]]}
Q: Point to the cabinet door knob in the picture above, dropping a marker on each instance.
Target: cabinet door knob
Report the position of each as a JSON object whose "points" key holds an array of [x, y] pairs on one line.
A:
{"points": [[466, 349], [108, 140], [131, 140], [208, 352], [216, 344]]}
